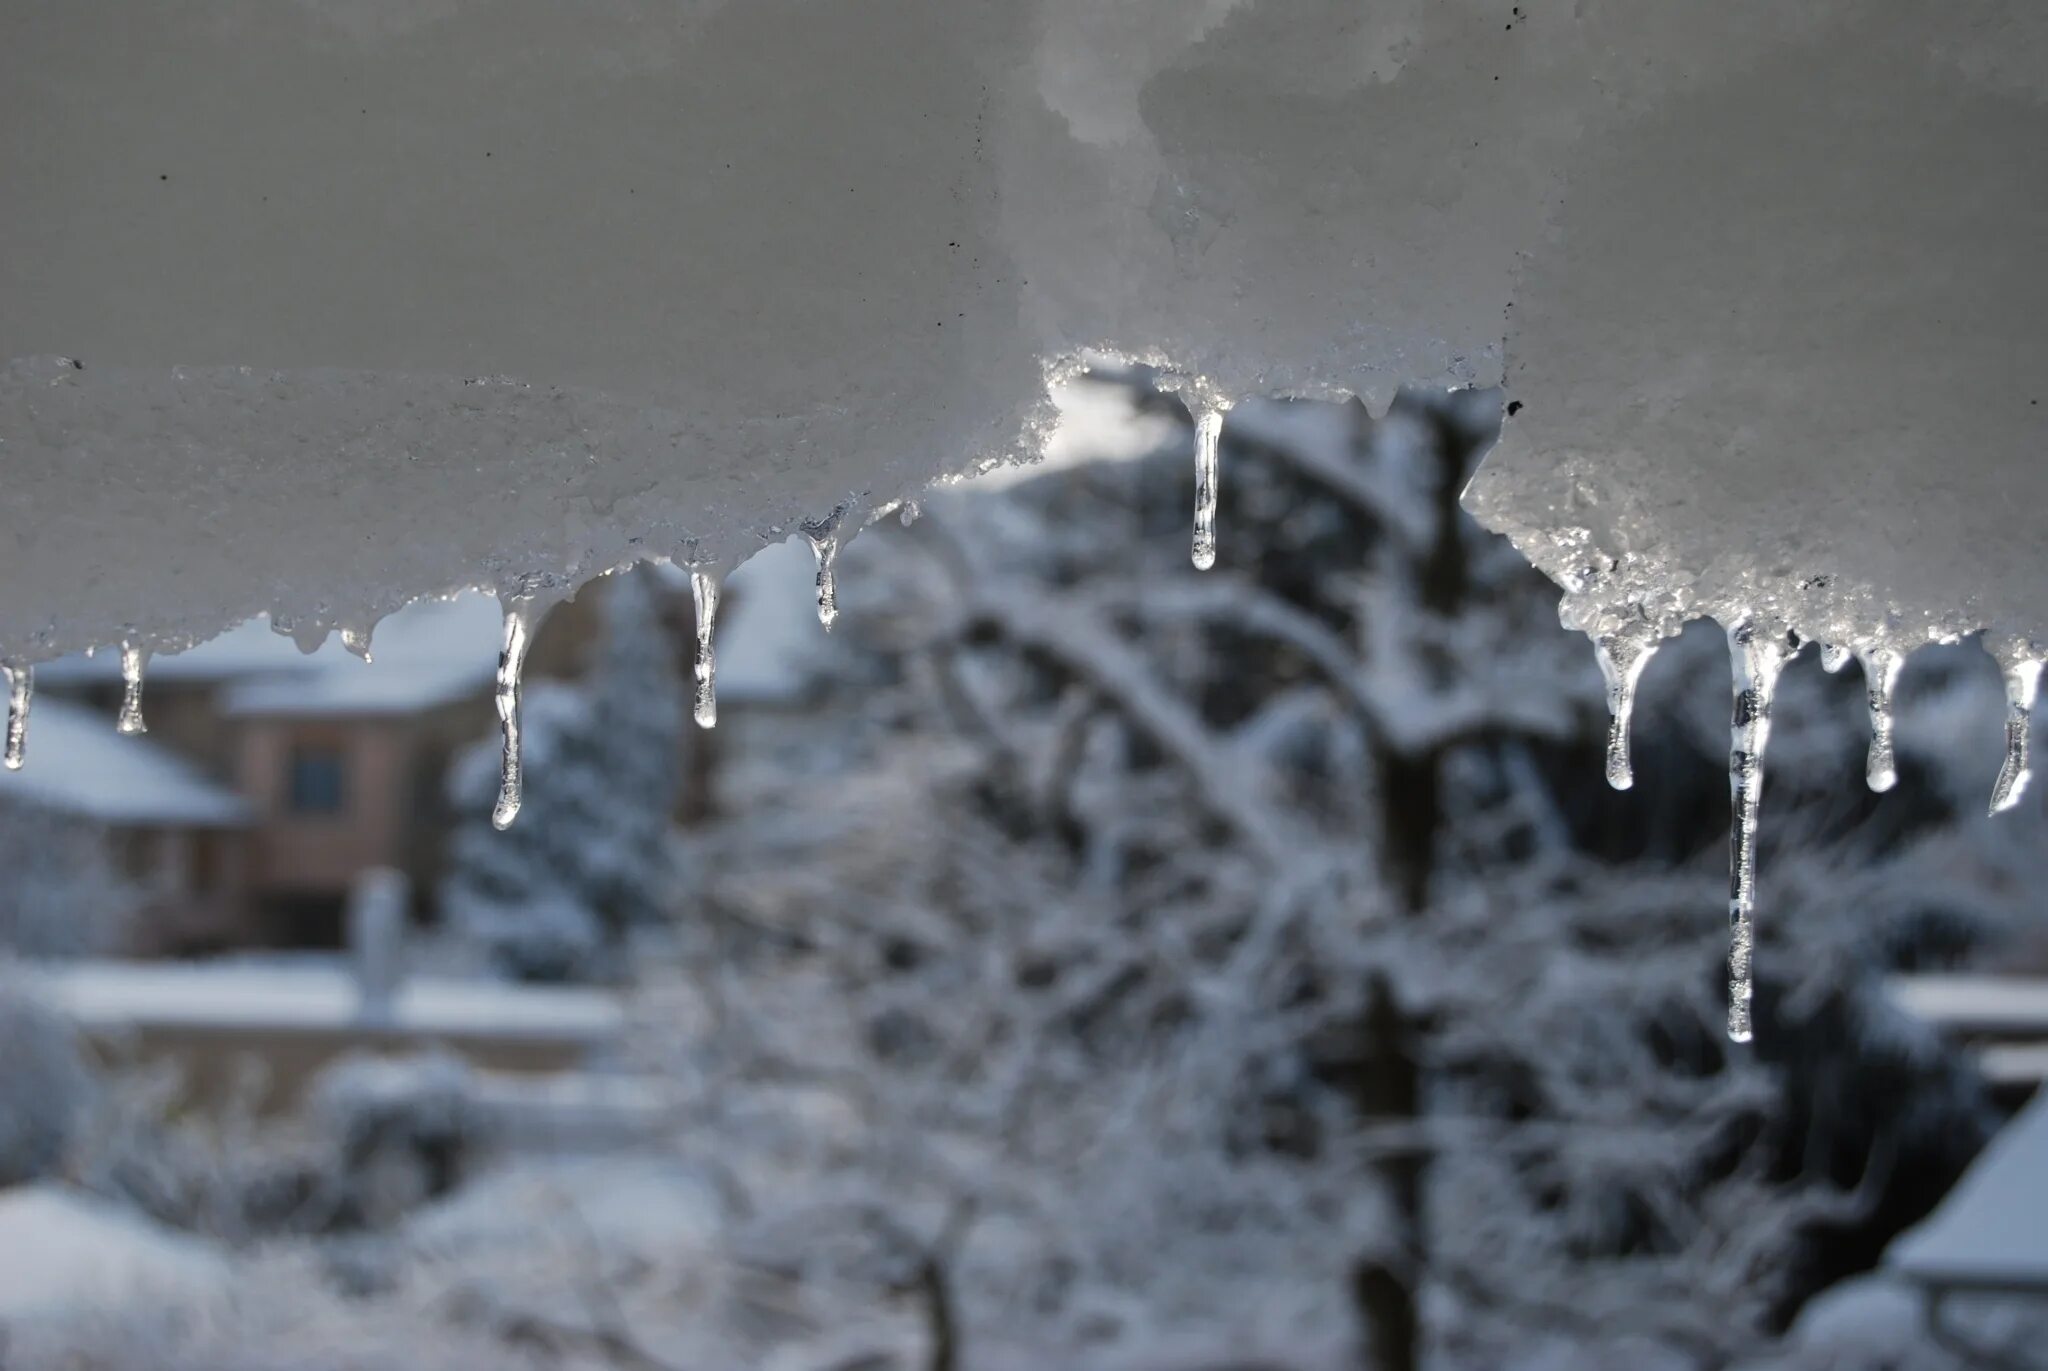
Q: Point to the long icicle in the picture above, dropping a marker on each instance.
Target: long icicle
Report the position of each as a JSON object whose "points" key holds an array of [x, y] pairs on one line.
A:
{"points": [[704, 590], [2022, 683], [1622, 659], [1880, 676], [133, 662], [21, 685], [511, 670], [1758, 657], [1208, 449]]}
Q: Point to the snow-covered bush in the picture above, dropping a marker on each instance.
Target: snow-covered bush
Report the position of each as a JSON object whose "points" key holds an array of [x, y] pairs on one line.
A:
{"points": [[46, 1089], [592, 854], [400, 1131]]}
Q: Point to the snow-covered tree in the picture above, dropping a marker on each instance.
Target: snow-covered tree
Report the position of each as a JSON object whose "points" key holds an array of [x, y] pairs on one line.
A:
{"points": [[592, 853], [61, 894], [1279, 919], [45, 1089]]}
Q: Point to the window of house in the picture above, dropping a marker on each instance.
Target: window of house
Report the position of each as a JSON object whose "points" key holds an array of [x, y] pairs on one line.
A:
{"points": [[318, 780]]}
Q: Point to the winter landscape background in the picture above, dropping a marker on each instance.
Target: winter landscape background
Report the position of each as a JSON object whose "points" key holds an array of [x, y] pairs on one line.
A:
{"points": [[1074, 960]]}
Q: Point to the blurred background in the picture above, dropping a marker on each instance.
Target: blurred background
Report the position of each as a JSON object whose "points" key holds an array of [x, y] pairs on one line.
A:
{"points": [[1073, 961]]}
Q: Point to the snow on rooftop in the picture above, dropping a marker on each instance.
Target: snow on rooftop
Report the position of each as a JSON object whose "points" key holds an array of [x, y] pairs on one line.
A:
{"points": [[430, 652], [79, 765], [1992, 1230]]}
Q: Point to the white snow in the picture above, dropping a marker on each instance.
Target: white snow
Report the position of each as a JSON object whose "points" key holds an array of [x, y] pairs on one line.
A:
{"points": [[327, 306], [113, 996], [1781, 350], [1991, 1232], [2001, 1005], [77, 764], [62, 1252]]}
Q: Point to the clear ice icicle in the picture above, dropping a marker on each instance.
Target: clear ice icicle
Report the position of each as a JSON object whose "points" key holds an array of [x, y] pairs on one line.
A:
{"points": [[511, 666], [2022, 683], [824, 541], [1759, 656], [1622, 660], [21, 684], [1208, 446], [704, 590], [908, 514], [1880, 674], [133, 661], [1833, 657]]}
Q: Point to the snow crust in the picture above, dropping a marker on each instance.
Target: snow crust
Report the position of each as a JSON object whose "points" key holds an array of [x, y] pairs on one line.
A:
{"points": [[319, 307], [1781, 350]]}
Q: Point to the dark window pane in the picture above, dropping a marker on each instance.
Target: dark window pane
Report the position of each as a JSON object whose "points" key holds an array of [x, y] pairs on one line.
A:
{"points": [[317, 784]]}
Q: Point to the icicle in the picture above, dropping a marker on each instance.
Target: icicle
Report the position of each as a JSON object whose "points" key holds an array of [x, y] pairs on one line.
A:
{"points": [[1208, 443], [2022, 682], [704, 589], [908, 514], [21, 684], [1622, 660], [357, 640], [133, 661], [511, 666], [825, 548], [1880, 674], [1758, 656], [1833, 657]]}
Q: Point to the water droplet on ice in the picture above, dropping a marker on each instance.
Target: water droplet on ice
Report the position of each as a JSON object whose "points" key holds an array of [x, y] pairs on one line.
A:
{"points": [[1759, 655], [2022, 683], [1208, 447], [704, 590], [908, 514], [1880, 675], [133, 662], [1622, 659], [21, 684], [511, 667]]}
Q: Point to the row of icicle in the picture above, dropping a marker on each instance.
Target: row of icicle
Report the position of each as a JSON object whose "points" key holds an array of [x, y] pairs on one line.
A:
{"points": [[1759, 657], [823, 535]]}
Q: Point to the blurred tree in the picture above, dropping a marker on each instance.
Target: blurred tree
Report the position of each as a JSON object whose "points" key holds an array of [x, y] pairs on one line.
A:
{"points": [[1303, 873], [592, 853], [60, 893]]}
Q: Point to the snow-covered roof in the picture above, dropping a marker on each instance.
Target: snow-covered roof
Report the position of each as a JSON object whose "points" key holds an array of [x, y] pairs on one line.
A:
{"points": [[78, 764], [1992, 1230], [426, 654]]}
